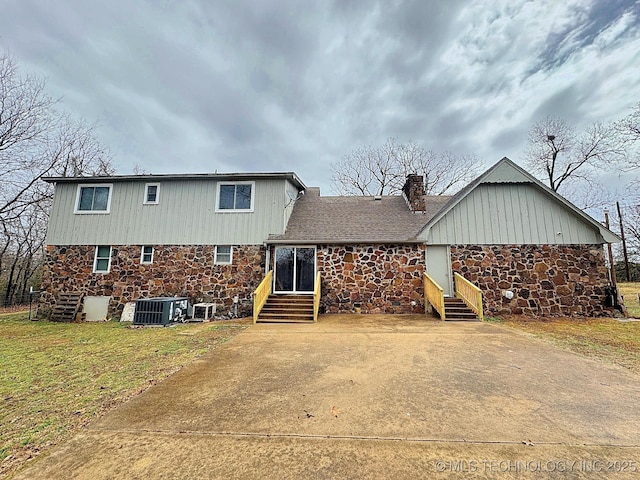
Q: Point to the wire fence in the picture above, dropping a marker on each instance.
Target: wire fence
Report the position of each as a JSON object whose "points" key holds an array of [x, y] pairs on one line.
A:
{"points": [[19, 303]]}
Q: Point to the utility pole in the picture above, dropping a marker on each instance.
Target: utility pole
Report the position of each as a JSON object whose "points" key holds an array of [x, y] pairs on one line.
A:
{"points": [[612, 269], [624, 245]]}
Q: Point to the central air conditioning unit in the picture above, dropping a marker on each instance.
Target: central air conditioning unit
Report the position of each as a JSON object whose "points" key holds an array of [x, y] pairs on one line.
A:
{"points": [[161, 310]]}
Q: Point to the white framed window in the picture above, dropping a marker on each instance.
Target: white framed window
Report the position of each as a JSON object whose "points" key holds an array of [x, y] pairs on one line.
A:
{"points": [[95, 198], [151, 193], [235, 197], [102, 260], [223, 255], [146, 256]]}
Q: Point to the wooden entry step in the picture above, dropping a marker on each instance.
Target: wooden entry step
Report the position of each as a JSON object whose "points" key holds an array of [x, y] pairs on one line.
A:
{"points": [[287, 309], [456, 310]]}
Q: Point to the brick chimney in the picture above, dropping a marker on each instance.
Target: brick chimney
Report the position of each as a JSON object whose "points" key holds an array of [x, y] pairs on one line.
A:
{"points": [[414, 192]]}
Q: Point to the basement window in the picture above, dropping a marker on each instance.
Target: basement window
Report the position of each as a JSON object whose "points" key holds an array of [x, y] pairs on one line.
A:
{"points": [[147, 254], [223, 255], [102, 260]]}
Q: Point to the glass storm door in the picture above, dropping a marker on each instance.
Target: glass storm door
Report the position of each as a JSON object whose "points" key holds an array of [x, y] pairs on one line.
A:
{"points": [[295, 269]]}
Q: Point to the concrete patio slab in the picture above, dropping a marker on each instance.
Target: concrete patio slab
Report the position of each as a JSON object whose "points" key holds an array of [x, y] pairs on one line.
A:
{"points": [[370, 397]]}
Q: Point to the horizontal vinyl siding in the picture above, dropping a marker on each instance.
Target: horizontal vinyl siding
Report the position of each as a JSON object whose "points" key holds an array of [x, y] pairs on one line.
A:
{"points": [[510, 214], [185, 215]]}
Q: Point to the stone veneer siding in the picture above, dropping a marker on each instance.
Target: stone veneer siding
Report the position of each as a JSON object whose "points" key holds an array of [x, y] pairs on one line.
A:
{"points": [[183, 270], [547, 280], [375, 278]]}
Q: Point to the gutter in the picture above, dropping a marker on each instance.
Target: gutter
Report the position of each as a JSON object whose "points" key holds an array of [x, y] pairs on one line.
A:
{"points": [[292, 241], [291, 176]]}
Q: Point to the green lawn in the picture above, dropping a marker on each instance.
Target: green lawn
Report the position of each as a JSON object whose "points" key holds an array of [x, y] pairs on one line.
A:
{"points": [[630, 292], [56, 377], [603, 338]]}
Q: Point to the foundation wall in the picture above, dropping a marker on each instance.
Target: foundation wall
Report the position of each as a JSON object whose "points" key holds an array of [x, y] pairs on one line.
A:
{"points": [[373, 278], [546, 280], [182, 270]]}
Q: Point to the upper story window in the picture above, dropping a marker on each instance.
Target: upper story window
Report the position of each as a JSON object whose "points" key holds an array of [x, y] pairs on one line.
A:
{"points": [[236, 196], [151, 193], [93, 199]]}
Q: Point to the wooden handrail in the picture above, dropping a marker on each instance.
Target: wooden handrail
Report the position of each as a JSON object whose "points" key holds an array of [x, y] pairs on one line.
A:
{"points": [[261, 294], [316, 298], [471, 294], [434, 294]]}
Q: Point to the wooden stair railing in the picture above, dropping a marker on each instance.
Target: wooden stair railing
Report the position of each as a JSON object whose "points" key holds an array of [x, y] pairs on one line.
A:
{"points": [[470, 294], [261, 294], [434, 295]]}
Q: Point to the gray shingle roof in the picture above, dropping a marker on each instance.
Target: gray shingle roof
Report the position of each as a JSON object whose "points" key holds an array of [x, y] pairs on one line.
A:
{"points": [[354, 219]]}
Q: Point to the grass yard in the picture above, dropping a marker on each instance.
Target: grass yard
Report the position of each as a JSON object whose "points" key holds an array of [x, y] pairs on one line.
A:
{"points": [[630, 292], [56, 377], [603, 338]]}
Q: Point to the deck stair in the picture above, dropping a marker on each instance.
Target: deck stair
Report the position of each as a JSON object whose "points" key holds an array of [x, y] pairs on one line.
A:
{"points": [[67, 307], [287, 309], [456, 310]]}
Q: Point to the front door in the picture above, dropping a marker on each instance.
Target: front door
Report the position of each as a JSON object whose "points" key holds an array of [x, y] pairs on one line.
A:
{"points": [[295, 270], [439, 266]]}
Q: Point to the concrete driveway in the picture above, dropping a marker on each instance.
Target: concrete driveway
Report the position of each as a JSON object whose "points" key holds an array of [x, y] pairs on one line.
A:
{"points": [[370, 397]]}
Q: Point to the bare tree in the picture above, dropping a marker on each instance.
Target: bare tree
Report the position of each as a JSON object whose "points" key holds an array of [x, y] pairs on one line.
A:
{"points": [[382, 170], [629, 130], [139, 170], [444, 172], [561, 155], [571, 162], [628, 134], [589, 194], [22, 252], [631, 213], [631, 216], [630, 125], [36, 140]]}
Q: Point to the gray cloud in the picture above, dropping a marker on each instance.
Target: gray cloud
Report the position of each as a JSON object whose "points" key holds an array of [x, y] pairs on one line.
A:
{"points": [[589, 21], [286, 85]]}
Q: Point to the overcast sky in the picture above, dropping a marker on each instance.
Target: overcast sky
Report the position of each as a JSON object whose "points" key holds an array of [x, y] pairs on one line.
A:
{"points": [[275, 85]]}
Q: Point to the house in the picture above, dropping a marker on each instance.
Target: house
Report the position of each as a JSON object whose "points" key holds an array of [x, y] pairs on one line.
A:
{"points": [[528, 249], [366, 249], [215, 237], [123, 238]]}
